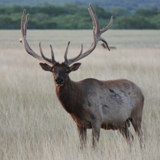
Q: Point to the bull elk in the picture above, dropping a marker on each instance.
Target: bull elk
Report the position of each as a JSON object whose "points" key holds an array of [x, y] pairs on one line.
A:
{"points": [[93, 104]]}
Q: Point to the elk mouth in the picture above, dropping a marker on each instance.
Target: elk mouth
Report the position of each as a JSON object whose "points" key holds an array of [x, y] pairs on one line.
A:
{"points": [[59, 84]]}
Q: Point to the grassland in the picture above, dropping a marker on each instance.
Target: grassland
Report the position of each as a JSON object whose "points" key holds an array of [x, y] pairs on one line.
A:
{"points": [[34, 126]]}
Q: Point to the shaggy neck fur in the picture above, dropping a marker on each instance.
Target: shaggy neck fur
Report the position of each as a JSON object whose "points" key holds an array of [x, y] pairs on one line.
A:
{"points": [[67, 95]]}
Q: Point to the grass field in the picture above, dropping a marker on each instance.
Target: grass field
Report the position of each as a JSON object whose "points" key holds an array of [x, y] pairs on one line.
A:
{"points": [[34, 126]]}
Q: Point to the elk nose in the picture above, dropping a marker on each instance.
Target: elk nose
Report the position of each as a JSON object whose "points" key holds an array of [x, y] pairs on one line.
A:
{"points": [[59, 80]]}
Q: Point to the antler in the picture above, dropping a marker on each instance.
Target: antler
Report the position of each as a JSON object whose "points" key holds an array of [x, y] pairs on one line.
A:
{"points": [[96, 36], [24, 23]]}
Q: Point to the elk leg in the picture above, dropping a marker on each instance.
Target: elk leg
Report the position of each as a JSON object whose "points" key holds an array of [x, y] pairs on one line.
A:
{"points": [[126, 134], [137, 127], [82, 136], [96, 126]]}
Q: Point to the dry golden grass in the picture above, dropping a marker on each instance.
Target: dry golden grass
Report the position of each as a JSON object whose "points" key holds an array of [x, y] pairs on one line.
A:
{"points": [[34, 126]]}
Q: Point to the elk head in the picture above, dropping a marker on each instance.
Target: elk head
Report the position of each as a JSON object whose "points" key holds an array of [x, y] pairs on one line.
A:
{"points": [[61, 70]]}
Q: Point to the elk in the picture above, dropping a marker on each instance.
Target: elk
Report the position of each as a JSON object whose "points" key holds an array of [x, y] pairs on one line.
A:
{"points": [[93, 104]]}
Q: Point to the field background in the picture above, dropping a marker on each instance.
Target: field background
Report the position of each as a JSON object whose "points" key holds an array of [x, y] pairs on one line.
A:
{"points": [[34, 126]]}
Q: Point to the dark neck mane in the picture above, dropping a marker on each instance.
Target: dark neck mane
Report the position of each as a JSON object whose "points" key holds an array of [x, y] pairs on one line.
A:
{"points": [[67, 95]]}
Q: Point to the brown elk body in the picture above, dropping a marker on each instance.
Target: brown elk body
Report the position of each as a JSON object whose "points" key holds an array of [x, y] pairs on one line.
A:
{"points": [[93, 104]]}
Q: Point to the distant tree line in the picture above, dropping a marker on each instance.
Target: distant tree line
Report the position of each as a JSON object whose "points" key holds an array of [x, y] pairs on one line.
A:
{"points": [[77, 17]]}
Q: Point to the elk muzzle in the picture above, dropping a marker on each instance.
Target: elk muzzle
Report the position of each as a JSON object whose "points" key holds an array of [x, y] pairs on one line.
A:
{"points": [[59, 81]]}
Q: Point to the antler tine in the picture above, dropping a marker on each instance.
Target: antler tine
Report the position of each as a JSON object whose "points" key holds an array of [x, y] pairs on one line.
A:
{"points": [[52, 54], [108, 26], [44, 57], [24, 24], [94, 18], [70, 61], [104, 41], [65, 54]]}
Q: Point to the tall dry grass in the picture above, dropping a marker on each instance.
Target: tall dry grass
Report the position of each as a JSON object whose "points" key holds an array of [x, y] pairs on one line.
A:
{"points": [[34, 126]]}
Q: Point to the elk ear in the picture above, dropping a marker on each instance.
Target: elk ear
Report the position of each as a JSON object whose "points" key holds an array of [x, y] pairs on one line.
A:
{"points": [[45, 67], [74, 67]]}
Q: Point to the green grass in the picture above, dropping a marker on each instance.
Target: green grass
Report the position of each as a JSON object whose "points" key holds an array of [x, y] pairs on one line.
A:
{"points": [[34, 126]]}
